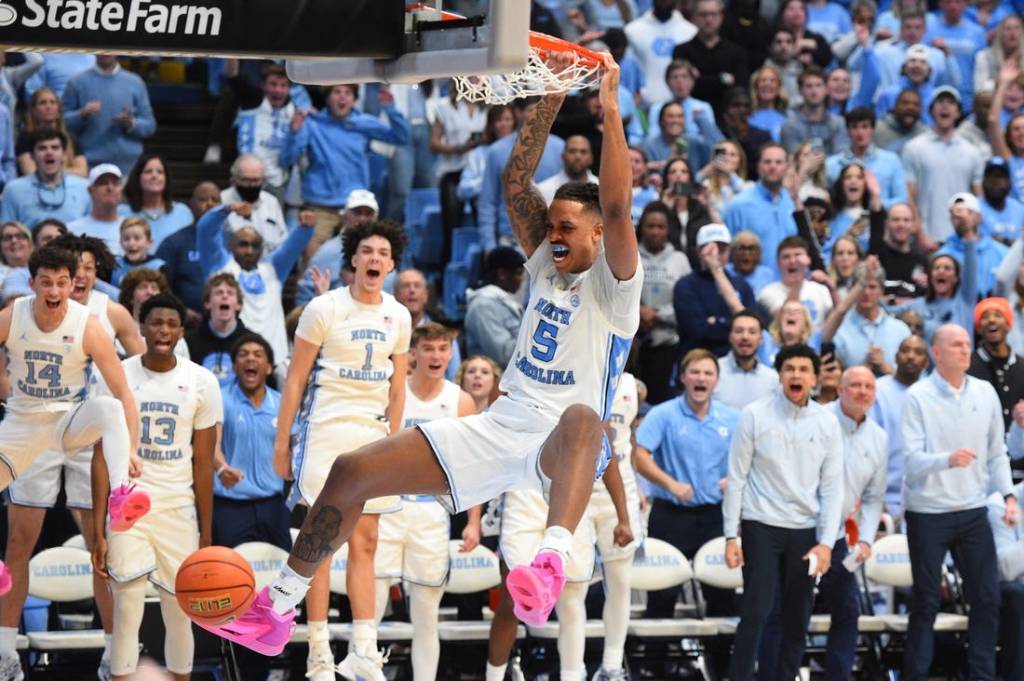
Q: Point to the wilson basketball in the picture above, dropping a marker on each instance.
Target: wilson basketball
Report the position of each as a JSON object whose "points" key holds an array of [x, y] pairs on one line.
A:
{"points": [[214, 585]]}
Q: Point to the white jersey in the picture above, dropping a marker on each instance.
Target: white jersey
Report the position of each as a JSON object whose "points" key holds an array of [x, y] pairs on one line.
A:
{"points": [[445, 405], [172, 405], [624, 410], [262, 312], [575, 337], [97, 305], [49, 371], [352, 376]]}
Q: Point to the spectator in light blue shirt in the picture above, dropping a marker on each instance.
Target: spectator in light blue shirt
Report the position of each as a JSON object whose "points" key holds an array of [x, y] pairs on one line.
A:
{"points": [[674, 139], [680, 76], [828, 19], [765, 208], [965, 214], [884, 165], [1001, 214], [746, 262], [955, 456], [868, 334], [58, 68], [49, 192], [683, 447], [961, 38], [147, 194]]}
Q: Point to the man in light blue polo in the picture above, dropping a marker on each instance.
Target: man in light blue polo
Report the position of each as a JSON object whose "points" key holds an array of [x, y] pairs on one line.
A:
{"points": [[955, 456], [682, 448], [765, 208], [742, 377], [870, 335], [884, 165], [49, 192]]}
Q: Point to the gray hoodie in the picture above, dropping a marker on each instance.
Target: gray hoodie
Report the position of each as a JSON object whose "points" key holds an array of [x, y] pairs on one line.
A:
{"points": [[493, 317], [661, 272]]}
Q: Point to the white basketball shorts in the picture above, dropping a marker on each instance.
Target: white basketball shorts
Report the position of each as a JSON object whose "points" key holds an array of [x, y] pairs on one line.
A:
{"points": [[524, 514], [156, 545], [40, 484], [25, 437], [604, 519], [314, 450], [412, 543]]}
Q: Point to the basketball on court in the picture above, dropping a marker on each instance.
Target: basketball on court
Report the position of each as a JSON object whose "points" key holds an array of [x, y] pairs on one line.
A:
{"points": [[214, 584]]}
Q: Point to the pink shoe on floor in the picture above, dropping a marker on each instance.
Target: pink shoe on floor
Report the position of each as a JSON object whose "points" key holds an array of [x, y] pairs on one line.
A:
{"points": [[260, 628], [5, 579], [535, 588], [126, 505]]}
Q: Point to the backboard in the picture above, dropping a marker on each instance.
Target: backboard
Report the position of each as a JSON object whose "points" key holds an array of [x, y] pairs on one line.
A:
{"points": [[433, 45]]}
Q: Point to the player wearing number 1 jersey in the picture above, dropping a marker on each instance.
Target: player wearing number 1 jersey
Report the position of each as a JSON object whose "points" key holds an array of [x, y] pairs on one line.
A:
{"points": [[546, 432], [351, 347]]}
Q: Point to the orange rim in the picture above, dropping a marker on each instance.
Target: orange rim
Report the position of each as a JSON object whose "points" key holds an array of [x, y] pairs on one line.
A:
{"points": [[547, 43]]}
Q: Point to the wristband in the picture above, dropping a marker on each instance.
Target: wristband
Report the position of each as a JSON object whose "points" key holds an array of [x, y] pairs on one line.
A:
{"points": [[220, 470]]}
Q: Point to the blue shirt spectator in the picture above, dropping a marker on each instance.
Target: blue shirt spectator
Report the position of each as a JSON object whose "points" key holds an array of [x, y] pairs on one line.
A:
{"points": [[674, 137], [8, 167], [829, 20], [494, 225], [948, 299], [248, 443], [1005, 224], [49, 192], [990, 254], [691, 449], [108, 109], [57, 70], [884, 165], [765, 208], [336, 141], [147, 193], [964, 39]]}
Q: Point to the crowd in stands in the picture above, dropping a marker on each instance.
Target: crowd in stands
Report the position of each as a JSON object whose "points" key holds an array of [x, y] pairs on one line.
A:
{"points": [[842, 174]]}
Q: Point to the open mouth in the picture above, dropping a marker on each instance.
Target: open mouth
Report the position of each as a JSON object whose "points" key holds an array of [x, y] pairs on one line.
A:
{"points": [[373, 274], [795, 389], [52, 304], [700, 390], [162, 344], [559, 252], [437, 366], [224, 307], [250, 372]]}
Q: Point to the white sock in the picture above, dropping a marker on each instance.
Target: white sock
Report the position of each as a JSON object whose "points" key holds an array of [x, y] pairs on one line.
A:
{"points": [[495, 673], [364, 636], [288, 589], [616, 612], [9, 640], [572, 620], [557, 539], [318, 631]]}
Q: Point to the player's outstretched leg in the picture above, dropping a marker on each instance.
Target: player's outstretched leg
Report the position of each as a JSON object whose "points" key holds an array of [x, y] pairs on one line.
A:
{"points": [[568, 459], [101, 419], [24, 523], [402, 463]]}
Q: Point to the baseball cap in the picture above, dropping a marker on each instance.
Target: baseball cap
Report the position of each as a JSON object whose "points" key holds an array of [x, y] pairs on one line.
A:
{"points": [[504, 258], [970, 201], [361, 198], [944, 90], [997, 165], [713, 233], [104, 169], [916, 52]]}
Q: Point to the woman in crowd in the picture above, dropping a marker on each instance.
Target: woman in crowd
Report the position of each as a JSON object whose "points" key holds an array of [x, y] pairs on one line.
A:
{"points": [[768, 101], [855, 196], [47, 230], [725, 176], [457, 130], [46, 110], [1006, 44], [663, 267], [140, 285], [500, 122], [846, 255], [1008, 138], [950, 295], [791, 326], [682, 195], [645, 183], [147, 194], [811, 47]]}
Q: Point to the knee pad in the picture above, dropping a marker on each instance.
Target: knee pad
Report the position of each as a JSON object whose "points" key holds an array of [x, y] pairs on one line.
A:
{"points": [[129, 604], [179, 646]]}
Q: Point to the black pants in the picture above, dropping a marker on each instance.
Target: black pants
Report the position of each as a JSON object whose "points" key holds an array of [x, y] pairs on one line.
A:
{"points": [[656, 368], [1011, 630], [968, 536], [770, 555], [687, 528]]}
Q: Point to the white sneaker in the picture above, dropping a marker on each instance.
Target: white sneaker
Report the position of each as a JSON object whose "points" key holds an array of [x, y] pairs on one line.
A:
{"points": [[320, 664], [103, 672], [369, 667], [10, 667]]}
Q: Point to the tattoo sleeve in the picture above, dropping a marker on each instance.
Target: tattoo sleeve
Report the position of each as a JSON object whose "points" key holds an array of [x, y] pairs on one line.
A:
{"points": [[313, 545], [527, 210]]}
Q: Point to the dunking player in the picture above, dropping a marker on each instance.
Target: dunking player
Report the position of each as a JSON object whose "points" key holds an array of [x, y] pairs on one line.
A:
{"points": [[355, 342], [413, 543], [547, 431], [52, 342], [37, 489]]}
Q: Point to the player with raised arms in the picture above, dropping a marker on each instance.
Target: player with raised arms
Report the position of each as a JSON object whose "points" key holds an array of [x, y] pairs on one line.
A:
{"points": [[546, 432]]}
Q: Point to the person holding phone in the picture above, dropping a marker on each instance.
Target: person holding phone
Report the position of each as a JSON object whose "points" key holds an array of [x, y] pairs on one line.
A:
{"points": [[684, 196]]}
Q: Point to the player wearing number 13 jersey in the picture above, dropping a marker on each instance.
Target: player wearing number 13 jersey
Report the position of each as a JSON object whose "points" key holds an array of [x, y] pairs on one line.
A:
{"points": [[546, 433]]}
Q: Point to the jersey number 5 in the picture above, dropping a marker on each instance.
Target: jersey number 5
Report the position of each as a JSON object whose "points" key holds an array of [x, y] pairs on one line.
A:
{"points": [[545, 341]]}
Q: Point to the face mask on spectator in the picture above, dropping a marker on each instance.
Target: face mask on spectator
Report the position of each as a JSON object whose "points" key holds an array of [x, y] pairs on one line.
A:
{"points": [[248, 194]]}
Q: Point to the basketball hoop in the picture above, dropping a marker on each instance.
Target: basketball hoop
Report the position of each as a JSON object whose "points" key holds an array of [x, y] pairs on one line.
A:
{"points": [[539, 77]]}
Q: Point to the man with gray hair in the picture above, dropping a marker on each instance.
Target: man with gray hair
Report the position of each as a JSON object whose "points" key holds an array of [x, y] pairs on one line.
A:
{"points": [[247, 179], [955, 456], [868, 334]]}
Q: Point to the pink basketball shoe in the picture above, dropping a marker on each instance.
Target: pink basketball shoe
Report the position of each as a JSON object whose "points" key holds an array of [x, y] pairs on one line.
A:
{"points": [[260, 628], [5, 579], [535, 588], [126, 505]]}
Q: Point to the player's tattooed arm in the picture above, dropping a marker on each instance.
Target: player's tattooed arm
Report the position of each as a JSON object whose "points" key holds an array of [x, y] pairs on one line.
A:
{"points": [[527, 210], [314, 543]]}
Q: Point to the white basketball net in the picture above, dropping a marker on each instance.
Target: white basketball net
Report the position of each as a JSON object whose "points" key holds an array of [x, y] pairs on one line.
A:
{"points": [[537, 78]]}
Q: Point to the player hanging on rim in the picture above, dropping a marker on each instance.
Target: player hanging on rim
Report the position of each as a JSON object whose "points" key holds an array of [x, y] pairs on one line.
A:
{"points": [[52, 343], [547, 431], [355, 342]]}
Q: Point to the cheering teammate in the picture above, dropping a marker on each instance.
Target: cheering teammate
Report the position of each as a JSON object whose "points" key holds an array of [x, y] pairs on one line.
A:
{"points": [[547, 432]]}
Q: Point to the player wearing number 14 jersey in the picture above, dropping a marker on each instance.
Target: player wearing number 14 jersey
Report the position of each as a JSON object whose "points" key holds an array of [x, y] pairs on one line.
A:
{"points": [[546, 432]]}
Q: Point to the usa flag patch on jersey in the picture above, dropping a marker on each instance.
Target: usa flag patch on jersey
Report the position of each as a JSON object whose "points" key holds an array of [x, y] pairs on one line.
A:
{"points": [[67, 339]]}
